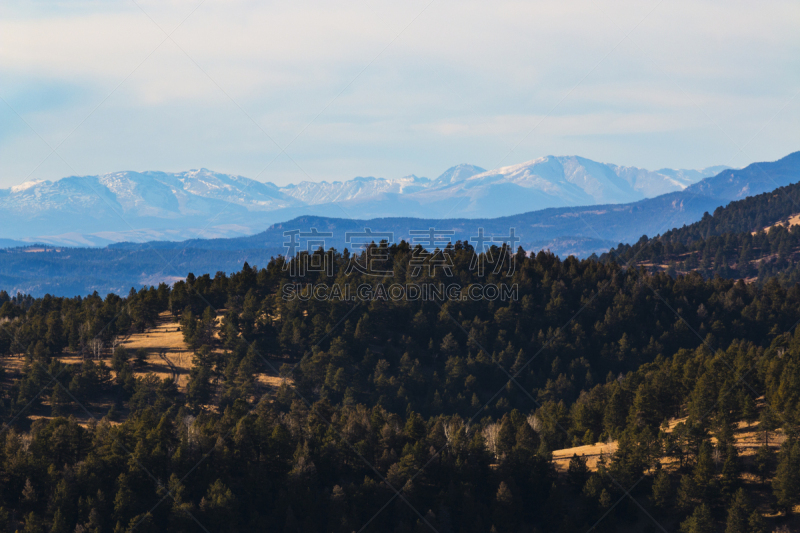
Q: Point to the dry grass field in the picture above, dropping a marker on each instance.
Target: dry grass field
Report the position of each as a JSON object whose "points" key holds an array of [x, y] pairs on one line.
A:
{"points": [[748, 440], [167, 356], [590, 452], [793, 220]]}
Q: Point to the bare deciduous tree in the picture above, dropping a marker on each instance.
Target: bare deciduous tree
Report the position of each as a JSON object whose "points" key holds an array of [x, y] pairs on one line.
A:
{"points": [[535, 423], [96, 346], [490, 435]]}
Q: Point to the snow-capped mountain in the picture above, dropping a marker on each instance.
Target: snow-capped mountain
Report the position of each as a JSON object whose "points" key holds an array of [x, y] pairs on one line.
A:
{"points": [[577, 179], [138, 206], [469, 191], [315, 193], [156, 194]]}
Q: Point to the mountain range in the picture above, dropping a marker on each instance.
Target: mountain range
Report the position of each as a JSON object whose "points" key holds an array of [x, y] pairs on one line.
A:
{"points": [[139, 207], [579, 231]]}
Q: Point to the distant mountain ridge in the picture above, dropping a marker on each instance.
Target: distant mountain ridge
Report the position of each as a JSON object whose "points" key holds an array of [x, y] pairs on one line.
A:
{"points": [[579, 231], [142, 206], [597, 225], [323, 192]]}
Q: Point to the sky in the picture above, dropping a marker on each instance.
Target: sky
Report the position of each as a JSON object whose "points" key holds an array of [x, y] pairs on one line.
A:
{"points": [[292, 91]]}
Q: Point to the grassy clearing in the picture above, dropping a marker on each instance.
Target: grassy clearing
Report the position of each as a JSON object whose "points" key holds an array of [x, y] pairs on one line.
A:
{"points": [[164, 345], [168, 356], [748, 440]]}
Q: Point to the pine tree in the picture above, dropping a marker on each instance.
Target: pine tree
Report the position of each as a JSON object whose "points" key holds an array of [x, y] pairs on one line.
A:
{"points": [[763, 461], [704, 470], [767, 423], [662, 491], [505, 515], [701, 521], [756, 523], [615, 411], [786, 484], [198, 390], [644, 412], [58, 400], [59, 523], [29, 495], [506, 436], [141, 357], [730, 471], [748, 408], [577, 471], [119, 359], [687, 492], [124, 499], [219, 504], [33, 524], [605, 499], [526, 438], [739, 513]]}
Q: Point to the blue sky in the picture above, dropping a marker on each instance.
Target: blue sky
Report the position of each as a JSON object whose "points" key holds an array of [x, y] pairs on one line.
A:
{"points": [[291, 91]]}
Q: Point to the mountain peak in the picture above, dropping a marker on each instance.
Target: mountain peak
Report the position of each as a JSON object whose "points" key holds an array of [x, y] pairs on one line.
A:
{"points": [[458, 173]]}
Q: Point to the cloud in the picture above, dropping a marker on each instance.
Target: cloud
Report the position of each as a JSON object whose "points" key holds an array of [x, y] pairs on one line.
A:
{"points": [[463, 81]]}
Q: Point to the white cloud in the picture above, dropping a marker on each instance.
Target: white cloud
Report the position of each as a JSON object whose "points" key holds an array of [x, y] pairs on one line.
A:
{"points": [[463, 82]]}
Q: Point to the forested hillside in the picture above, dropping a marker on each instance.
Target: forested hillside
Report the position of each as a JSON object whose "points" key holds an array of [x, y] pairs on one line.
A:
{"points": [[756, 238], [409, 415]]}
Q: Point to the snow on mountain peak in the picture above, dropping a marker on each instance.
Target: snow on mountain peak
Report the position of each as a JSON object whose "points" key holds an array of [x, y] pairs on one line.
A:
{"points": [[27, 185], [458, 173], [171, 201]]}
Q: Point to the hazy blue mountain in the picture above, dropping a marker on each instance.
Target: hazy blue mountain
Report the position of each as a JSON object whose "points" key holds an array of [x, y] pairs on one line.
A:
{"points": [[754, 179], [139, 207], [10, 243]]}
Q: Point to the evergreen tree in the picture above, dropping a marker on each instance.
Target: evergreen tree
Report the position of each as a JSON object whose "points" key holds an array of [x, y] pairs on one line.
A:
{"points": [[756, 523], [59, 523], [739, 514], [141, 357], [33, 524], [577, 471], [700, 521], [730, 471], [747, 405], [786, 484], [662, 491], [767, 422], [704, 470], [58, 400], [763, 461], [198, 390], [687, 492]]}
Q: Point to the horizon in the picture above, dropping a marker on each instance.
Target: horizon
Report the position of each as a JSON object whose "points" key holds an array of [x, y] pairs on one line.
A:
{"points": [[373, 177]]}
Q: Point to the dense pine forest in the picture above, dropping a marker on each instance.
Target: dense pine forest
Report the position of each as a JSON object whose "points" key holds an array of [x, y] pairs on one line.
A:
{"points": [[407, 415], [654, 388]]}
